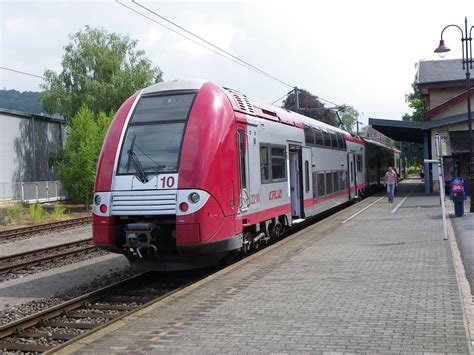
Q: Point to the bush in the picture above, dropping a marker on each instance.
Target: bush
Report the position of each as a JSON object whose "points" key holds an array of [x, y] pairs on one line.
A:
{"points": [[36, 213], [14, 212], [58, 213], [411, 170]]}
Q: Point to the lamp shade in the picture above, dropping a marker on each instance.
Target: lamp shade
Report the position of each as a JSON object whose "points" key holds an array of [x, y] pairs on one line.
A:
{"points": [[442, 49]]}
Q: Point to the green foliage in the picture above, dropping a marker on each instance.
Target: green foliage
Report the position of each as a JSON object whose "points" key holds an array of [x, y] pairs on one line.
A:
{"points": [[310, 106], [3, 219], [86, 133], [100, 70], [36, 213], [58, 213], [411, 170], [416, 103], [26, 101], [349, 116], [14, 212]]}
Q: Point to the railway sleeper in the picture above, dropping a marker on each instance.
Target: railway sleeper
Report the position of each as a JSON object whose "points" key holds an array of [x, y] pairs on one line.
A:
{"points": [[34, 348]]}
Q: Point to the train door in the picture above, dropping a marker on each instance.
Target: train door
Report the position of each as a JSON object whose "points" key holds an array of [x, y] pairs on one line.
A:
{"points": [[307, 178], [242, 141], [296, 187], [352, 166]]}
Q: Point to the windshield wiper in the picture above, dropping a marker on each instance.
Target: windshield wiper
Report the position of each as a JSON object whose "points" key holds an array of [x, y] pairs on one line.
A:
{"points": [[133, 158]]}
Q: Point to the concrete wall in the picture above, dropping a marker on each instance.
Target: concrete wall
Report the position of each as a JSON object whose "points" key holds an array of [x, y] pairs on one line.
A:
{"points": [[26, 143]]}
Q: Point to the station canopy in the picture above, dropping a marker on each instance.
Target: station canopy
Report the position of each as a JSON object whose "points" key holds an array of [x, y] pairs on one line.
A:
{"points": [[401, 131]]}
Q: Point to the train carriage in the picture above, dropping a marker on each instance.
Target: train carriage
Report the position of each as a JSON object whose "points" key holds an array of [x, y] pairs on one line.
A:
{"points": [[190, 172]]}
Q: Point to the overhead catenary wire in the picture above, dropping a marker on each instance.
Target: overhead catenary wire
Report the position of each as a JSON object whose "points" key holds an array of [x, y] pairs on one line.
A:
{"points": [[23, 72], [195, 42], [213, 45]]}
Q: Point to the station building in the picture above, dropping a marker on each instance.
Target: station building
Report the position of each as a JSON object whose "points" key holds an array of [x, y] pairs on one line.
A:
{"points": [[27, 141], [442, 84]]}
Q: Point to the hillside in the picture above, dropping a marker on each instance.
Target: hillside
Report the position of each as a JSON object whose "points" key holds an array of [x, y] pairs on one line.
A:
{"points": [[27, 101]]}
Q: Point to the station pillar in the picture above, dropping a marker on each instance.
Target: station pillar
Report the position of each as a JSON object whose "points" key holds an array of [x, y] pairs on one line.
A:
{"points": [[426, 155]]}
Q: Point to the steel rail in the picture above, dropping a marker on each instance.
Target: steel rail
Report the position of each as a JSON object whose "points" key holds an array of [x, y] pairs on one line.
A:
{"points": [[44, 259], [18, 232], [21, 328]]}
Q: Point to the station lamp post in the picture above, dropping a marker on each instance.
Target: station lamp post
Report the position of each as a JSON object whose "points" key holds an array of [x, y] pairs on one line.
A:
{"points": [[466, 44]]}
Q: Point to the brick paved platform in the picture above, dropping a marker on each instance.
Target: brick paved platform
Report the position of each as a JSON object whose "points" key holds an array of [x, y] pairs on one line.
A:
{"points": [[383, 281]]}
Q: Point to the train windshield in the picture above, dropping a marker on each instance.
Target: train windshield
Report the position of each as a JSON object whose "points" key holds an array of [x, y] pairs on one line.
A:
{"points": [[152, 143]]}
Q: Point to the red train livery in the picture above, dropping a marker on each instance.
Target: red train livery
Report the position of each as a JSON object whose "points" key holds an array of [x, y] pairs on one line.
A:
{"points": [[190, 172]]}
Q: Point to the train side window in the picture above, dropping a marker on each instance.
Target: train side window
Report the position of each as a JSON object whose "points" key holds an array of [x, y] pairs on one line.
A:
{"points": [[327, 139], [340, 141], [329, 184], [343, 177], [336, 181], [264, 164], [315, 184], [321, 185], [306, 175], [359, 163], [308, 135], [243, 165], [318, 135], [333, 140], [278, 163]]}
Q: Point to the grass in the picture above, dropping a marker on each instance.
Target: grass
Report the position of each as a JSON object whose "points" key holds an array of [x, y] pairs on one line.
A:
{"points": [[58, 213], [36, 213], [14, 212]]}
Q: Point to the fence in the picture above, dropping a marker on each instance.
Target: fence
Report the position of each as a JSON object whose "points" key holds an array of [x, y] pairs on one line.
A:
{"points": [[32, 192]]}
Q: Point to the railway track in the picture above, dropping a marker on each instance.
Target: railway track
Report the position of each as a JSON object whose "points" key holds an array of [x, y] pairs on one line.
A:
{"points": [[25, 231], [78, 317], [21, 261]]}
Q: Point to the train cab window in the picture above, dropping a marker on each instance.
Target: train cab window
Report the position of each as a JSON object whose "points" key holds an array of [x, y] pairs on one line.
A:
{"points": [[334, 143], [162, 108], [152, 142], [327, 139], [264, 164], [308, 135], [321, 185], [318, 137]]}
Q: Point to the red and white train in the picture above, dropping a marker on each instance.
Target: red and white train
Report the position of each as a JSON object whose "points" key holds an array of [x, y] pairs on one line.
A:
{"points": [[190, 172]]}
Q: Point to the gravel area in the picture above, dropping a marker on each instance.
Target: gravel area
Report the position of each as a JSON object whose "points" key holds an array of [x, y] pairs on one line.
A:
{"points": [[45, 239], [24, 296]]}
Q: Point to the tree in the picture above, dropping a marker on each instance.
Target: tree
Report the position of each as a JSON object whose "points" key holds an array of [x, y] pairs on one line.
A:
{"points": [[310, 106], [86, 131], [416, 103], [349, 116], [26, 101], [100, 70], [414, 151]]}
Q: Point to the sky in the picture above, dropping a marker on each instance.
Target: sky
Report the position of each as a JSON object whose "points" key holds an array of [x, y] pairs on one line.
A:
{"points": [[360, 53]]}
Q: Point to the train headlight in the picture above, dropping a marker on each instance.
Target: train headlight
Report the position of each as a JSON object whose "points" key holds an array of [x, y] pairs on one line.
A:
{"points": [[97, 200], [183, 206], [194, 197], [103, 208]]}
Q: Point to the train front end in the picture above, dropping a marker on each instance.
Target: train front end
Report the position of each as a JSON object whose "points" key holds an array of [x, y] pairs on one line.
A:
{"points": [[164, 192]]}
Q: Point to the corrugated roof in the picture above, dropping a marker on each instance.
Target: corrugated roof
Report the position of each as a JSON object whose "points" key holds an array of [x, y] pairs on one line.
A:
{"points": [[432, 71]]}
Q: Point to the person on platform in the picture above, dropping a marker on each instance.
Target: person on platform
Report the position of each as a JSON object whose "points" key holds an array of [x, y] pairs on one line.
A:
{"points": [[391, 181]]}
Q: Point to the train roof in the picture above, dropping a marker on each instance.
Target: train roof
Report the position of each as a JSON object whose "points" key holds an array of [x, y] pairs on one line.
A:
{"points": [[246, 105]]}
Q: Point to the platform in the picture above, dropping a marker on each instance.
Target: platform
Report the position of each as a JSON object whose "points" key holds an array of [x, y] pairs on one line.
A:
{"points": [[375, 277]]}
